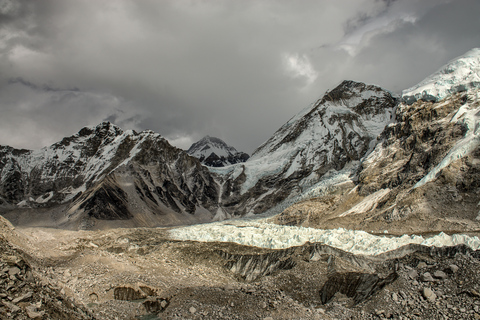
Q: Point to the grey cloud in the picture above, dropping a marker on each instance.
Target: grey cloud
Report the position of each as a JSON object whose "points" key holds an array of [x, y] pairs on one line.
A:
{"points": [[186, 69]]}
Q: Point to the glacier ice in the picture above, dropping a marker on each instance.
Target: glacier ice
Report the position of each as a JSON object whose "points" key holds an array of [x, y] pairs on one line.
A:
{"points": [[259, 233]]}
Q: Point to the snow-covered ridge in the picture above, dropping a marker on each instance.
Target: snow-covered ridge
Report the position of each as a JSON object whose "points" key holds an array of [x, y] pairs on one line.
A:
{"points": [[346, 117], [460, 74], [86, 156], [215, 152], [208, 145], [264, 235]]}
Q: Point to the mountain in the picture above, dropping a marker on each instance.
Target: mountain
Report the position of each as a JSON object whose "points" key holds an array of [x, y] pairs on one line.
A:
{"points": [[334, 133], [214, 152], [103, 174], [423, 175], [360, 157]]}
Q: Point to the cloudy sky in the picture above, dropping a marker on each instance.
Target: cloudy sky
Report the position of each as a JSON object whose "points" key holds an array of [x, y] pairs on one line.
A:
{"points": [[235, 69]]}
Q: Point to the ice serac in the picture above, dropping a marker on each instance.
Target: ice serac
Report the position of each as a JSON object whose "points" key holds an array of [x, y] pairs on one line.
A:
{"points": [[459, 75], [335, 131], [214, 152], [104, 173]]}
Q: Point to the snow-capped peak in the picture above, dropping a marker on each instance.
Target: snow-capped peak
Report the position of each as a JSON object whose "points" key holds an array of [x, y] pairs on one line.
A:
{"points": [[460, 74], [215, 152]]}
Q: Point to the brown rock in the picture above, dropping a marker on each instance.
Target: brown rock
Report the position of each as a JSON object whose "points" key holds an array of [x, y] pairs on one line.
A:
{"points": [[429, 294]]}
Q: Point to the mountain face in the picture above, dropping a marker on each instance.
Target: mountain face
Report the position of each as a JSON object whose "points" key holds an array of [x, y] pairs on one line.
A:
{"points": [[336, 131], [214, 152], [105, 173]]}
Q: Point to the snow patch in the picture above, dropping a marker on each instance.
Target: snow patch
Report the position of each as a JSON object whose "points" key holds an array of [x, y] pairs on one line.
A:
{"points": [[44, 198]]}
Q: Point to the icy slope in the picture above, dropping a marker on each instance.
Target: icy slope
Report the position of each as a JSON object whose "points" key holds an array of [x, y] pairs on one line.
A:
{"points": [[460, 74], [264, 235], [336, 130], [214, 152]]}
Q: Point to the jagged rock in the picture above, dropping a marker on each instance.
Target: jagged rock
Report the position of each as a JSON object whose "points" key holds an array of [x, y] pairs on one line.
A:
{"points": [[452, 269], [13, 308], [32, 312], [130, 293], [155, 305], [13, 271], [24, 297], [251, 267], [395, 297], [413, 274]]}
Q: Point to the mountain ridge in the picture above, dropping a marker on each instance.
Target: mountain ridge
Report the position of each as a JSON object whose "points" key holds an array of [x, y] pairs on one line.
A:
{"points": [[214, 152]]}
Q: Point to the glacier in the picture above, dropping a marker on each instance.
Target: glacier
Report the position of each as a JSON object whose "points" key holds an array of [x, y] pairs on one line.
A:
{"points": [[259, 233]]}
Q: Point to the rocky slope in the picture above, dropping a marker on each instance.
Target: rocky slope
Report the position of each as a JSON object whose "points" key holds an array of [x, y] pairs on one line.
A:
{"points": [[141, 273], [214, 152], [422, 176], [103, 174]]}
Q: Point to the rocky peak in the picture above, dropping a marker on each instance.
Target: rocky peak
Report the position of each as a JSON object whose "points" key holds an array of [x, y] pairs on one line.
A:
{"points": [[348, 89], [334, 133], [349, 104], [214, 152]]}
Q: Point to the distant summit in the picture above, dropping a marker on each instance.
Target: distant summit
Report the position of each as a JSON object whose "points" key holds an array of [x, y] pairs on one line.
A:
{"points": [[214, 152]]}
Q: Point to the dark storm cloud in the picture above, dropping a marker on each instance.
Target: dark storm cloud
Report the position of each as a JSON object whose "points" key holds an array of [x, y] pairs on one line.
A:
{"points": [[233, 69]]}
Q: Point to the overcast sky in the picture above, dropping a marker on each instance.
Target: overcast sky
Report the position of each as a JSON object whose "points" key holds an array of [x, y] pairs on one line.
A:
{"points": [[234, 69]]}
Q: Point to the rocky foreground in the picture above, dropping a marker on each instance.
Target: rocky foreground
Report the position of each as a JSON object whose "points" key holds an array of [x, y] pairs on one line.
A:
{"points": [[143, 274]]}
